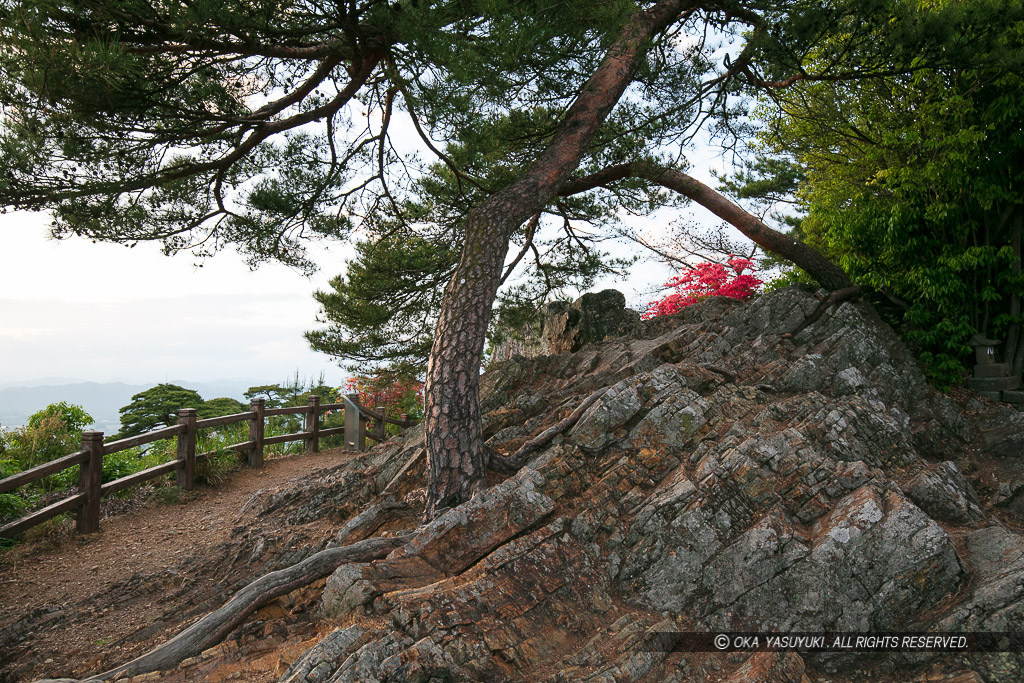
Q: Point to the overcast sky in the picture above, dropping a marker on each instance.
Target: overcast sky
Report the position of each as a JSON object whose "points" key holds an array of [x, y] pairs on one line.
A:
{"points": [[103, 312]]}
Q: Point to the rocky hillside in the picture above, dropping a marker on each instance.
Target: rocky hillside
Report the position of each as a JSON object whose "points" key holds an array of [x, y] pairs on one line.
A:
{"points": [[727, 478]]}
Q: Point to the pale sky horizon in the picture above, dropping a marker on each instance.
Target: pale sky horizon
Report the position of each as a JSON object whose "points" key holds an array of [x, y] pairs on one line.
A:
{"points": [[103, 312]]}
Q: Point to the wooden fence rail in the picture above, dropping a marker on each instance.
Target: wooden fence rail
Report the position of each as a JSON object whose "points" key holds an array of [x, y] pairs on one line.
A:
{"points": [[89, 460]]}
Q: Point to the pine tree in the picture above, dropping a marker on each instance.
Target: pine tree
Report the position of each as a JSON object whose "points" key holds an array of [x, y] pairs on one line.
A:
{"points": [[265, 124]]}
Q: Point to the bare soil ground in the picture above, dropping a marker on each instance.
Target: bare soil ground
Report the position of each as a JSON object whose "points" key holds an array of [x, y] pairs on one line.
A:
{"points": [[74, 605]]}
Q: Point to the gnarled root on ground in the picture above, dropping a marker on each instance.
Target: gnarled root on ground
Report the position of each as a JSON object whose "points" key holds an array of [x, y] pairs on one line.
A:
{"points": [[512, 463], [834, 298], [215, 626], [368, 521]]}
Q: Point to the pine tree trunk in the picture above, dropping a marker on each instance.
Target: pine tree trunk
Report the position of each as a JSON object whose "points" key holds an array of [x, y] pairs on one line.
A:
{"points": [[807, 257], [455, 450], [828, 274]]}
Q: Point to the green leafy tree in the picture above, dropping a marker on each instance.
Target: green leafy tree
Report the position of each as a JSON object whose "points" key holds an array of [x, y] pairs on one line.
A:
{"points": [[319, 387], [273, 395], [156, 407], [913, 187], [216, 407], [293, 393], [51, 433], [73, 417], [203, 125], [11, 504]]}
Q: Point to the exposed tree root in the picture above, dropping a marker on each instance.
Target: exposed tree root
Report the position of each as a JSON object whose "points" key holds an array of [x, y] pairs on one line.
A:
{"points": [[405, 468], [729, 375], [834, 298], [215, 626], [512, 463], [368, 521]]}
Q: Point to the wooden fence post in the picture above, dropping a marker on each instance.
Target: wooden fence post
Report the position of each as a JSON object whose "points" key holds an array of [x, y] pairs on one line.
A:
{"points": [[313, 423], [256, 430], [380, 426], [187, 449], [90, 478], [404, 417]]}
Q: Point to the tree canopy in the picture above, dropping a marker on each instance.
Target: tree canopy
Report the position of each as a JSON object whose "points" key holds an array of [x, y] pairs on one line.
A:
{"points": [[215, 407], [293, 392], [156, 407], [73, 416], [203, 125], [51, 432], [263, 124], [913, 185]]}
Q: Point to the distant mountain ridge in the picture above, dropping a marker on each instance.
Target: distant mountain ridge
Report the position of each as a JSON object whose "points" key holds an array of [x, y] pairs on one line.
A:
{"points": [[102, 400], [45, 381]]}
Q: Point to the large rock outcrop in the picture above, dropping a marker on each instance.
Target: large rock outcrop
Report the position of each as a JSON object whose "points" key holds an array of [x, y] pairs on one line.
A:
{"points": [[729, 478], [565, 326]]}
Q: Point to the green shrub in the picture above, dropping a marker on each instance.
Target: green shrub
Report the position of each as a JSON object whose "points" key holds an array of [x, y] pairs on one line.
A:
{"points": [[11, 504]]}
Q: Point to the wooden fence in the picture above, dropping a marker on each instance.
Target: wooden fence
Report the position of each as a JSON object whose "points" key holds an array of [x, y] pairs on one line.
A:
{"points": [[86, 501]]}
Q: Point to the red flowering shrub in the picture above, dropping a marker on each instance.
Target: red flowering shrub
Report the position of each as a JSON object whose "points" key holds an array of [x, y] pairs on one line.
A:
{"points": [[707, 279], [398, 394]]}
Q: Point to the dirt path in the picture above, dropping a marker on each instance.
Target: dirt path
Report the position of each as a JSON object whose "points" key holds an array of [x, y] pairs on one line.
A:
{"points": [[53, 577]]}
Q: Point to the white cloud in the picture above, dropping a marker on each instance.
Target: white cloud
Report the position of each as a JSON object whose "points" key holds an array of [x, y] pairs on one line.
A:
{"points": [[22, 334], [101, 311]]}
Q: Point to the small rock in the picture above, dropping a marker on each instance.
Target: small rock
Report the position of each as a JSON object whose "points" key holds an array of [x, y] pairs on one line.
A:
{"points": [[943, 492]]}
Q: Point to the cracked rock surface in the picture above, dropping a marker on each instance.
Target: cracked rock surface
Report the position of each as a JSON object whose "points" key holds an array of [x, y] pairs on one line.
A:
{"points": [[728, 479]]}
